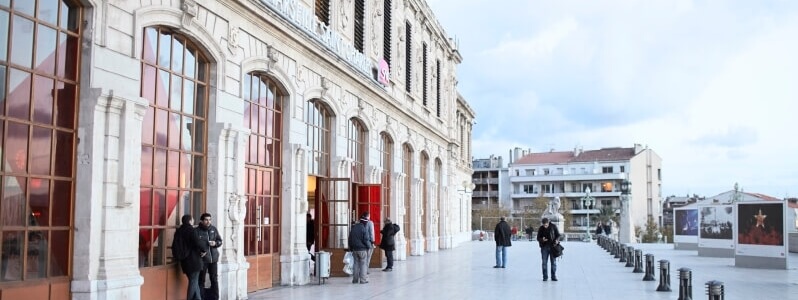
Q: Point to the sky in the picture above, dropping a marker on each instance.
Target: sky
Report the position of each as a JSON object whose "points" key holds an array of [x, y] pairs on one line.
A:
{"points": [[710, 86]]}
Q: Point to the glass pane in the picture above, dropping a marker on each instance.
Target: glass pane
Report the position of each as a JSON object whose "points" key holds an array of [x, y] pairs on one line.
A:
{"points": [[40, 150], [25, 6], [197, 170], [173, 168], [164, 50], [202, 71], [16, 149], [37, 255], [67, 65], [150, 45], [161, 126], [62, 204], [145, 236], [148, 83], [158, 248], [190, 64], [22, 41], [145, 207], [69, 17], [177, 57], [263, 246], [168, 208], [158, 206], [186, 131], [162, 89], [39, 202], [13, 205], [3, 33], [199, 136], [174, 131], [65, 105], [18, 94], [45, 49], [64, 153], [185, 170], [2, 90], [177, 210], [48, 11], [196, 204], [59, 254], [43, 89], [146, 165], [11, 267], [188, 97], [199, 101], [249, 241], [159, 168], [267, 183], [5, 3], [175, 97]]}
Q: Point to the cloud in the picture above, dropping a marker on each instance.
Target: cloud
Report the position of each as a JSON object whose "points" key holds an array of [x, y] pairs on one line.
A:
{"points": [[537, 47], [731, 138]]}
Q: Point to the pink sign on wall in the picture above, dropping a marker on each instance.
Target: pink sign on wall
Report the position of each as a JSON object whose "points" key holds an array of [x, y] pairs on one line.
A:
{"points": [[383, 72]]}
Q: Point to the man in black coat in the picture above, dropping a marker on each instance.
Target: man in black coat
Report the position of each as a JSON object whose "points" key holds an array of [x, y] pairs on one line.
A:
{"points": [[192, 264], [548, 235], [501, 234], [211, 241], [388, 242]]}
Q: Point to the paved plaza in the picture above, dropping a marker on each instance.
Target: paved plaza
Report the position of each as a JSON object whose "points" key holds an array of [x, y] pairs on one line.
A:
{"points": [[586, 271]]}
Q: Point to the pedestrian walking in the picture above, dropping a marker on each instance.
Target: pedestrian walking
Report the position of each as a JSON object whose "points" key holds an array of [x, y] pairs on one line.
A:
{"points": [[548, 236], [501, 234]]}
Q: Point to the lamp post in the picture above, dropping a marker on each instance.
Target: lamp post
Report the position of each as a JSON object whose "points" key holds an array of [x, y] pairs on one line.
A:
{"points": [[625, 232], [587, 202]]}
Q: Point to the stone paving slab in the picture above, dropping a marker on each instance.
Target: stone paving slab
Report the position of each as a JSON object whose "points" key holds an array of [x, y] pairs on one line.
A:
{"points": [[586, 271]]}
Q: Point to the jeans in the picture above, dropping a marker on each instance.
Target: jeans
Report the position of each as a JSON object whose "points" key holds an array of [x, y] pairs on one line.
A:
{"points": [[389, 256], [193, 291], [210, 268], [501, 256], [361, 265], [545, 256]]}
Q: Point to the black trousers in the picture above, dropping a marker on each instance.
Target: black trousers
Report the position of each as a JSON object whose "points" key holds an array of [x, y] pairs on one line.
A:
{"points": [[211, 269], [389, 256]]}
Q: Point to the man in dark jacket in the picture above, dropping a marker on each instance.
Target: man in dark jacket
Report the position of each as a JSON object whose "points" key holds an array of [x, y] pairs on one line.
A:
{"points": [[548, 235], [388, 242], [211, 241], [192, 264], [501, 234], [359, 244]]}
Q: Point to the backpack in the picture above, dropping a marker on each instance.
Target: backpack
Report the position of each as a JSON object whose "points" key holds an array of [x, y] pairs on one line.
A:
{"points": [[179, 250]]}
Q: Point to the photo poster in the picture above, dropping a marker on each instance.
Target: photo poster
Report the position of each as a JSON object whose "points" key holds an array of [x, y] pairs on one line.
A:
{"points": [[685, 225], [760, 230], [716, 226]]}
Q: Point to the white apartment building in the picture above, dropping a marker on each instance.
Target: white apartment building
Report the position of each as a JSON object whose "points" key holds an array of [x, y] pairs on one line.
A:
{"points": [[568, 174], [119, 117], [491, 182]]}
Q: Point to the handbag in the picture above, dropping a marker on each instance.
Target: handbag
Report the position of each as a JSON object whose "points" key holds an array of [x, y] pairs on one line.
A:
{"points": [[556, 250]]}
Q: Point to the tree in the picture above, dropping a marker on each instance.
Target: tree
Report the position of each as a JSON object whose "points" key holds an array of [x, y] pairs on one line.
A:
{"points": [[649, 234], [492, 214]]}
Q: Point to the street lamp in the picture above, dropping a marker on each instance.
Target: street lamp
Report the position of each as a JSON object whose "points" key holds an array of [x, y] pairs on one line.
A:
{"points": [[587, 202]]}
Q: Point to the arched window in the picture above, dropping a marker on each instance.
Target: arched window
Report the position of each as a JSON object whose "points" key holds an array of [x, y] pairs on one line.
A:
{"points": [[356, 148], [39, 55], [386, 163], [263, 105], [407, 169], [174, 79], [319, 123]]}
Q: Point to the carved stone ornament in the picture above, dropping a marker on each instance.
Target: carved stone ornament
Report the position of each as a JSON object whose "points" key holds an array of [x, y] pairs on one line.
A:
{"points": [[233, 39], [272, 55], [325, 86], [189, 8]]}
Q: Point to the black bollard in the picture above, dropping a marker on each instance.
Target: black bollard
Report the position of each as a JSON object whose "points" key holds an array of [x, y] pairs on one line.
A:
{"points": [[685, 284], [649, 268], [638, 261], [715, 290], [664, 276], [623, 253], [630, 257]]}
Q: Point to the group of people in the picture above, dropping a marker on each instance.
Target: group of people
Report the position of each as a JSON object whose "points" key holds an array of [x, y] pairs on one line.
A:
{"points": [[361, 244], [548, 236], [199, 255]]}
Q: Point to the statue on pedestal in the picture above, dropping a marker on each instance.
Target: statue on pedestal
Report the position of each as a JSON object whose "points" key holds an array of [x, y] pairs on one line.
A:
{"points": [[553, 214]]}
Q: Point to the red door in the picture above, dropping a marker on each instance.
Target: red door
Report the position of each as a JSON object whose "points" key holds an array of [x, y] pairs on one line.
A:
{"points": [[368, 198]]}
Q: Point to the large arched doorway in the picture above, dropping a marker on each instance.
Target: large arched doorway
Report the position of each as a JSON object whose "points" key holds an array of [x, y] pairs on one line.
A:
{"points": [[39, 56], [175, 82], [263, 115], [386, 163], [366, 197]]}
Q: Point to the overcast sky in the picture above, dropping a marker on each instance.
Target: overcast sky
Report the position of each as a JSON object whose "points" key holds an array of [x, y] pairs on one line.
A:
{"points": [[710, 86]]}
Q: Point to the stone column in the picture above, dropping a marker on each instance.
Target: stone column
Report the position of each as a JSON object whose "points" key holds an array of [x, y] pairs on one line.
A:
{"points": [[294, 256], [626, 232], [399, 212], [416, 236], [105, 262]]}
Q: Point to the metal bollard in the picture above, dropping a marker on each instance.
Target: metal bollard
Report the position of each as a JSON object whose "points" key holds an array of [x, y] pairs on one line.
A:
{"points": [[649, 268], [664, 276], [638, 261], [685, 284], [623, 253], [617, 253], [715, 290], [630, 257]]}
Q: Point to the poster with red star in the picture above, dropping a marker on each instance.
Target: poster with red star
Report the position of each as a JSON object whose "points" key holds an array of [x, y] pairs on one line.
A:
{"points": [[760, 230]]}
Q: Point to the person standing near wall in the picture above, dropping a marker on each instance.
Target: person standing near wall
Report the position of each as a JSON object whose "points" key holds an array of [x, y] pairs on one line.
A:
{"points": [[359, 244], [501, 234], [388, 242], [211, 240], [187, 248], [370, 232]]}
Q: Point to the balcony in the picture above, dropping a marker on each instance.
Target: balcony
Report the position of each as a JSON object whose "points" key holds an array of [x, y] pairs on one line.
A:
{"points": [[482, 194], [568, 177], [570, 195], [485, 180]]}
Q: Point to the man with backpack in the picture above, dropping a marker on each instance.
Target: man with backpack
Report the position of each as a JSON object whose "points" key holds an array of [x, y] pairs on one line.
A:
{"points": [[187, 249], [548, 237]]}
